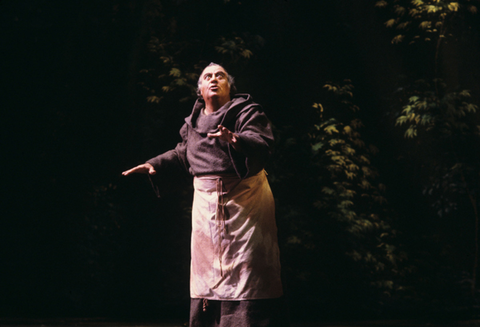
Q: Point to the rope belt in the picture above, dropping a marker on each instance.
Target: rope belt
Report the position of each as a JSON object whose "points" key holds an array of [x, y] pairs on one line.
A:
{"points": [[220, 222]]}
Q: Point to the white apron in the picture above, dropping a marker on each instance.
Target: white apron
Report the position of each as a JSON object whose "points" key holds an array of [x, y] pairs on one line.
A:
{"points": [[235, 252]]}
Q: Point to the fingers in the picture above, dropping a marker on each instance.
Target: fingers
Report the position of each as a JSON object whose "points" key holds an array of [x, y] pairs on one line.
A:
{"points": [[217, 134], [127, 172], [223, 133], [142, 169], [151, 170], [223, 129]]}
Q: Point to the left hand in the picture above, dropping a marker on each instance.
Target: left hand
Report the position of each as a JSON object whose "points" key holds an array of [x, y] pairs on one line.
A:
{"points": [[225, 135]]}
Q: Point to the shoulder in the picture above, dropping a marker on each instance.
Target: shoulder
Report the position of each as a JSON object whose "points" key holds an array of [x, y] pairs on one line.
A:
{"points": [[243, 102], [184, 131]]}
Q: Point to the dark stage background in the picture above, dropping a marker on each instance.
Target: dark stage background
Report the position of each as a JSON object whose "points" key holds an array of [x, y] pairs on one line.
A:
{"points": [[373, 222]]}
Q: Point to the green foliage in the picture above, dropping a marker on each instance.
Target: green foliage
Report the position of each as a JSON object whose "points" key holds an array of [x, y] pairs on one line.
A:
{"points": [[347, 218], [235, 48], [445, 135], [440, 115], [427, 20], [167, 76], [449, 123], [349, 193], [450, 114]]}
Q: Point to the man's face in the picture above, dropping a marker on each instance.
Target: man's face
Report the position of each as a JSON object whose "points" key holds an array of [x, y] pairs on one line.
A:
{"points": [[215, 84]]}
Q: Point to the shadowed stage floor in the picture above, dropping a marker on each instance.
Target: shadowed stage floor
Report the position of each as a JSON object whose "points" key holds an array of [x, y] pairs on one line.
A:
{"points": [[99, 322]]}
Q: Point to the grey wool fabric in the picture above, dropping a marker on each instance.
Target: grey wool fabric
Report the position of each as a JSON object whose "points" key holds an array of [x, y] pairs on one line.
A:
{"points": [[198, 155]]}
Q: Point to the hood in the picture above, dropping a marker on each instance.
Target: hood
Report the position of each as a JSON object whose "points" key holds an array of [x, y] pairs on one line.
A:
{"points": [[227, 112]]}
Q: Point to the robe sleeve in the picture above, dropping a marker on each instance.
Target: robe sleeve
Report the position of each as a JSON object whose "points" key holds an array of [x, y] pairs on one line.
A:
{"points": [[255, 138], [171, 166]]}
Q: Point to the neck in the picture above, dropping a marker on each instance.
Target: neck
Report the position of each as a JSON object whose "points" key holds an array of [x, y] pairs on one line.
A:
{"points": [[212, 105]]}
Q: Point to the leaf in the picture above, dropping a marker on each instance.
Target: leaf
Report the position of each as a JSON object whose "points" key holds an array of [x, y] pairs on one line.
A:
{"points": [[153, 99], [356, 256], [166, 60], [328, 191], [347, 130], [221, 49], [453, 6], [432, 9], [400, 11], [471, 107], [180, 81], [398, 39], [364, 160], [348, 150], [417, 3], [246, 53], [465, 93], [334, 142], [359, 143], [426, 24], [317, 146], [293, 239], [366, 171], [330, 129], [332, 153], [365, 184], [456, 166], [403, 25], [175, 72], [401, 120], [411, 132], [192, 76], [356, 123], [381, 4], [426, 119], [414, 98], [352, 167], [339, 160], [345, 204], [379, 199], [380, 266], [422, 105], [348, 194], [390, 22]]}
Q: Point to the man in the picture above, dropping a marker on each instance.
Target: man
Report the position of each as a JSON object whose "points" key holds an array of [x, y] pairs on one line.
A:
{"points": [[235, 266]]}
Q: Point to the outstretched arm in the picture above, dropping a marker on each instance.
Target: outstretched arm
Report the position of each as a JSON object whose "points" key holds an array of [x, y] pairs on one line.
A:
{"points": [[145, 168]]}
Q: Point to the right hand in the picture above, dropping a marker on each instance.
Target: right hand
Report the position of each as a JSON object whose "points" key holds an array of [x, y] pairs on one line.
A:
{"points": [[145, 168]]}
